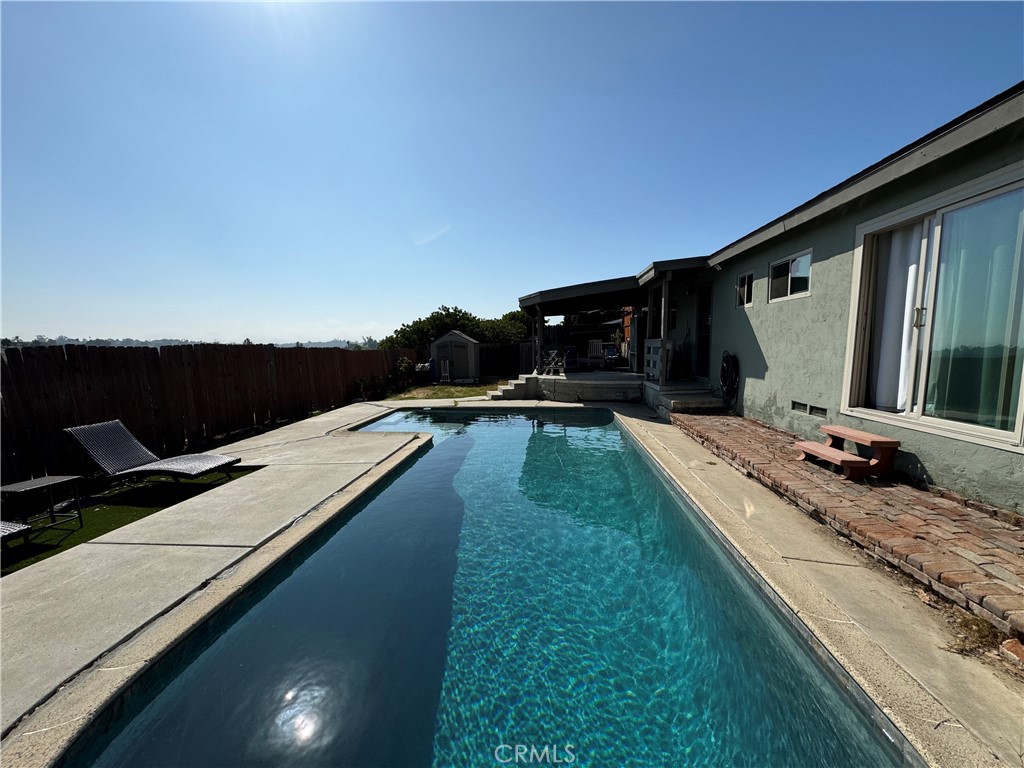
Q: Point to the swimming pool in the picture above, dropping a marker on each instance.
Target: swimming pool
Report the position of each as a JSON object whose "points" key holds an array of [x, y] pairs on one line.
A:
{"points": [[528, 591]]}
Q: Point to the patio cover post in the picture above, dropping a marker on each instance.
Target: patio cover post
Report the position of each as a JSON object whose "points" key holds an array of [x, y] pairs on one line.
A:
{"points": [[650, 313], [538, 337], [663, 353]]}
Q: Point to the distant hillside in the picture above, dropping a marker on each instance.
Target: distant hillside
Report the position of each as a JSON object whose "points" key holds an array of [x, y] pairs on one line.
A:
{"points": [[368, 342], [45, 341]]}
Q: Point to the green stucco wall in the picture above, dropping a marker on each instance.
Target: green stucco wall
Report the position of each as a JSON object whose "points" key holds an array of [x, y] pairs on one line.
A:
{"points": [[795, 350]]}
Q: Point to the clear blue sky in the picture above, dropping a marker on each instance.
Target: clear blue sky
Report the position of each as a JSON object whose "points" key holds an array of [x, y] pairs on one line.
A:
{"points": [[305, 172]]}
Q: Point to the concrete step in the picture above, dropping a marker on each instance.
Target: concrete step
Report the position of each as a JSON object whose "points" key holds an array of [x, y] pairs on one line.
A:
{"points": [[695, 402], [685, 387], [514, 390]]}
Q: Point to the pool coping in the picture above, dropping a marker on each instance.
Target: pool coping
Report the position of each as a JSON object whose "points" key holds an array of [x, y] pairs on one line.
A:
{"points": [[882, 686], [897, 703]]}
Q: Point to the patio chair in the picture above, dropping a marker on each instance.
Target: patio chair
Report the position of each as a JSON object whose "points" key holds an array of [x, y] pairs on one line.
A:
{"points": [[119, 453], [553, 365]]}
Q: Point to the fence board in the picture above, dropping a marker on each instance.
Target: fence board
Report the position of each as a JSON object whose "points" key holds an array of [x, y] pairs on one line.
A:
{"points": [[174, 399]]}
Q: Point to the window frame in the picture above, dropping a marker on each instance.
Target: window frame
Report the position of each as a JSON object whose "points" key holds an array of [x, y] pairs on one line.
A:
{"points": [[858, 339], [809, 253], [748, 290]]}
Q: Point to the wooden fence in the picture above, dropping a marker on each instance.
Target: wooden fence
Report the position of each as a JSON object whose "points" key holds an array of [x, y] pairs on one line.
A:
{"points": [[174, 399]]}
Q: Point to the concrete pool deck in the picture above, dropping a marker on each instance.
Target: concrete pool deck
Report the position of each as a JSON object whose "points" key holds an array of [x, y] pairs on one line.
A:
{"points": [[79, 627]]}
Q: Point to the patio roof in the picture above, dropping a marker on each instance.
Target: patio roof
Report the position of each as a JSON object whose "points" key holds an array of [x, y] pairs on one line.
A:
{"points": [[571, 299], [607, 294]]}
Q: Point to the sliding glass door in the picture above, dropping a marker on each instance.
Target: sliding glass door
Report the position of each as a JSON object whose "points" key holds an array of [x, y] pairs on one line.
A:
{"points": [[945, 332]]}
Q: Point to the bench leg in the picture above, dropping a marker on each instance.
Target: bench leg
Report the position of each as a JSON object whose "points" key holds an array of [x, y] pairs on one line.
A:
{"points": [[856, 473], [881, 462]]}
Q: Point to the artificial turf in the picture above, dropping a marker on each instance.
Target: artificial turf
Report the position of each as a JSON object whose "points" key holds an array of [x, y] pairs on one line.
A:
{"points": [[109, 507]]}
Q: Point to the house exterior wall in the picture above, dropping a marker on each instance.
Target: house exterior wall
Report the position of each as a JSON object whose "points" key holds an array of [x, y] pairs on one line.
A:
{"points": [[795, 349]]}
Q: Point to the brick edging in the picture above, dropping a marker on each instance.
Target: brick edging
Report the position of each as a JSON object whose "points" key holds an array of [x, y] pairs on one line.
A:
{"points": [[916, 531]]}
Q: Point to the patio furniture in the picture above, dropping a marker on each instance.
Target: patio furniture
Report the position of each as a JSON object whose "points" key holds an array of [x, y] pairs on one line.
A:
{"points": [[19, 493], [119, 453], [9, 530], [595, 353], [553, 365]]}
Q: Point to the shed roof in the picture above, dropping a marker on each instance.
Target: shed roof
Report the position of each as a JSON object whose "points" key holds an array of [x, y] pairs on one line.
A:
{"points": [[460, 334]]}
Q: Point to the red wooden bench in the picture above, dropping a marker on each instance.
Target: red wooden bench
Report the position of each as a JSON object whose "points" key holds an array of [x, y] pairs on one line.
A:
{"points": [[853, 466]]}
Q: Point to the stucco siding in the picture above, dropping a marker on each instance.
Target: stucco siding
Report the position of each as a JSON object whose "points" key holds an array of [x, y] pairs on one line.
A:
{"points": [[795, 350]]}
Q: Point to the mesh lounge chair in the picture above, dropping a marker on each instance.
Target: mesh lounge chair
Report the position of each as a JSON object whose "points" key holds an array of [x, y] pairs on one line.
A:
{"points": [[118, 453]]}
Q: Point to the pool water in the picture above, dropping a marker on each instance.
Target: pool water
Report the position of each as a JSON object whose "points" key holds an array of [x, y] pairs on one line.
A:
{"points": [[529, 590]]}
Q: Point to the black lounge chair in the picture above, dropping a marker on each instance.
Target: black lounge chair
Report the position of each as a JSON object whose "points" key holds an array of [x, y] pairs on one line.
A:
{"points": [[119, 453]]}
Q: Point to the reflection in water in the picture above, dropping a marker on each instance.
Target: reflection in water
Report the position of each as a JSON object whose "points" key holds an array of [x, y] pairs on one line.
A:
{"points": [[302, 718], [302, 714]]}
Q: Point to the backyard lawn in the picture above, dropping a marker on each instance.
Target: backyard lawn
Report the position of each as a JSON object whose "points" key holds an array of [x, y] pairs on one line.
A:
{"points": [[104, 511], [447, 391]]}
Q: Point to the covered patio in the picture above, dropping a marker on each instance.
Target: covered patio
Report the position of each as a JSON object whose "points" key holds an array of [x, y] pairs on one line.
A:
{"points": [[665, 314], [619, 297]]}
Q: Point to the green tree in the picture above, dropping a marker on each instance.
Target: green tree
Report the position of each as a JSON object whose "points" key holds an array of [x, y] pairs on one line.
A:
{"points": [[420, 333]]}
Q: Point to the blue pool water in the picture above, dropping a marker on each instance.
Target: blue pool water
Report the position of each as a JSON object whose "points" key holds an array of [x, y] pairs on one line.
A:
{"points": [[526, 583]]}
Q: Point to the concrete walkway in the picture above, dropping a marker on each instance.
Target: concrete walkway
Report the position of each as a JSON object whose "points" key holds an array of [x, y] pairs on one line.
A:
{"points": [[61, 614], [92, 619]]}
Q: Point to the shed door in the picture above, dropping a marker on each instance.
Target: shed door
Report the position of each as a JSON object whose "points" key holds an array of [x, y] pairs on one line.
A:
{"points": [[460, 361]]}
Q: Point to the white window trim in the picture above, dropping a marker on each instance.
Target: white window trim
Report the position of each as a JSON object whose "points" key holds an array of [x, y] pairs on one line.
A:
{"points": [[986, 185], [745, 304], [809, 252]]}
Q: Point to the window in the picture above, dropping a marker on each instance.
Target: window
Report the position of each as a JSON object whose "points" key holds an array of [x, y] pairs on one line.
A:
{"points": [[940, 307], [745, 290], [789, 277]]}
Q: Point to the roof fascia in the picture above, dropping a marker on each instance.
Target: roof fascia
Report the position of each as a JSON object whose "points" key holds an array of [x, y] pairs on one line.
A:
{"points": [[658, 268]]}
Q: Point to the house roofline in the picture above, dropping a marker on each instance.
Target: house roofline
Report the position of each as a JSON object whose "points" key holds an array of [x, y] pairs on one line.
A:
{"points": [[657, 268], [987, 118]]}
